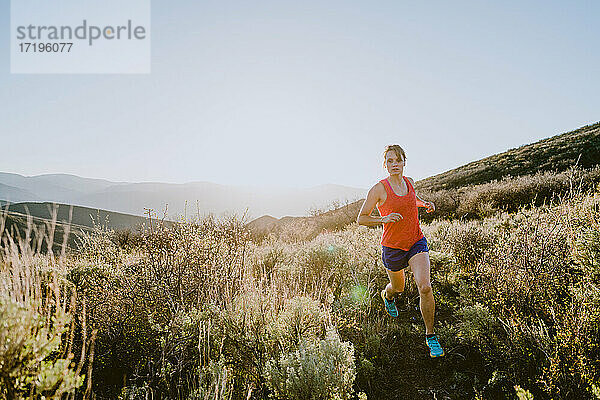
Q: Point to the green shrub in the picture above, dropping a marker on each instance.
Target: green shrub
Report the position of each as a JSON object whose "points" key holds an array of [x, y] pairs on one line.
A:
{"points": [[30, 345], [215, 382], [321, 268], [134, 393], [596, 391], [468, 242], [523, 394], [317, 370], [477, 324], [587, 252], [301, 318], [36, 327]]}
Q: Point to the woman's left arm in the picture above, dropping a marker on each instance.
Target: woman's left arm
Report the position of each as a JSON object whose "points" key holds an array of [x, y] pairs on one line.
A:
{"points": [[420, 202]]}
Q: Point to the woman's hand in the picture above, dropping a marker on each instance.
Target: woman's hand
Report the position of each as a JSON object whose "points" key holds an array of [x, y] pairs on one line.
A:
{"points": [[430, 206], [391, 217]]}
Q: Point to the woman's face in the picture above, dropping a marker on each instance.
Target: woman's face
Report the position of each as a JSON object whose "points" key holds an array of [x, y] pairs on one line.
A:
{"points": [[393, 163]]}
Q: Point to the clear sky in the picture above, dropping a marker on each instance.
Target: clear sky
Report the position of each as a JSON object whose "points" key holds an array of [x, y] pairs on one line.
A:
{"points": [[310, 92]]}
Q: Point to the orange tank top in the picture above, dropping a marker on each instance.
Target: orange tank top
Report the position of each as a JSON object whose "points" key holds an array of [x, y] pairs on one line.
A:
{"points": [[405, 232]]}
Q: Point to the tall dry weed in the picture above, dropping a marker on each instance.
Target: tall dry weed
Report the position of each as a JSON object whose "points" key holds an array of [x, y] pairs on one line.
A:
{"points": [[39, 320]]}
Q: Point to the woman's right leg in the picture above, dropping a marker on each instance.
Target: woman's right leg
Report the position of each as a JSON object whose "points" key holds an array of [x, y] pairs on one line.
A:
{"points": [[396, 284]]}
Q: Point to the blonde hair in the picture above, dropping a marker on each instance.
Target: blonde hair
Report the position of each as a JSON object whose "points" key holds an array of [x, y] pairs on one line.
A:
{"points": [[396, 149]]}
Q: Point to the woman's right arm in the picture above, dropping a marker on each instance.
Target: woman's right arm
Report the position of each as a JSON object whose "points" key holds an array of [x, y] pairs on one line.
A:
{"points": [[364, 216]]}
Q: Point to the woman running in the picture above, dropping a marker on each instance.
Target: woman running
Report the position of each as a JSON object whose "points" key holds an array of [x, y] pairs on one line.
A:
{"points": [[403, 243]]}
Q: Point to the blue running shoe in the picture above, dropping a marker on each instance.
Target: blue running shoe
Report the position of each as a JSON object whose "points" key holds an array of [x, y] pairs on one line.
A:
{"points": [[390, 305], [435, 350]]}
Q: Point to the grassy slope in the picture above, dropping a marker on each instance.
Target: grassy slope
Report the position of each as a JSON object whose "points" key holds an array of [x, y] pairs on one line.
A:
{"points": [[81, 220], [16, 225], [81, 215], [557, 153], [310, 226]]}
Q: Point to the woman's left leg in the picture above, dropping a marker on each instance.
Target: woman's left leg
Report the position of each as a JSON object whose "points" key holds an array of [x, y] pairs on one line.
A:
{"points": [[419, 264]]}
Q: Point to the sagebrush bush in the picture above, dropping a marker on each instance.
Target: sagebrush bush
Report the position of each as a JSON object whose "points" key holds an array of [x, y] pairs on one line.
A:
{"points": [[215, 382], [587, 251], [468, 241], [301, 318], [317, 370], [30, 360], [321, 268]]}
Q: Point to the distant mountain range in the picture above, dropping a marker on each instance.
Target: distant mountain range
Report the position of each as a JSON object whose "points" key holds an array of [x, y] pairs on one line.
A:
{"points": [[181, 199]]}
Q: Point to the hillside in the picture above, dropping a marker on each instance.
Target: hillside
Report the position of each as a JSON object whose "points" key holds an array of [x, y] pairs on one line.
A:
{"points": [[11, 193], [266, 222], [557, 153], [82, 219], [16, 225], [302, 228], [82, 216]]}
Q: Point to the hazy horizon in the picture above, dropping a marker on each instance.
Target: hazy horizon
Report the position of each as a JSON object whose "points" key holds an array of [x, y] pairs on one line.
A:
{"points": [[176, 183]]}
